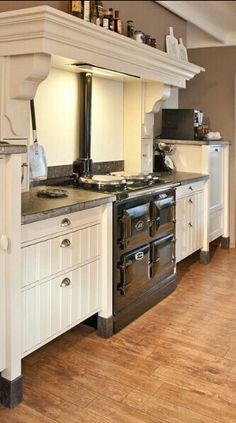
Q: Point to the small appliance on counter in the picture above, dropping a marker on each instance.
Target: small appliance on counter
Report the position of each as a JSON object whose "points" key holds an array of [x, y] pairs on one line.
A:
{"points": [[183, 124], [162, 162]]}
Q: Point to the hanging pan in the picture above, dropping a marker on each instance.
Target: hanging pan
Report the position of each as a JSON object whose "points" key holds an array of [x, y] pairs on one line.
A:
{"points": [[37, 156]]}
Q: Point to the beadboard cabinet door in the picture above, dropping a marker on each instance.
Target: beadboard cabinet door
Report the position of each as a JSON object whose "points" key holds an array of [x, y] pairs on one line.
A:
{"points": [[2, 265], [216, 194], [53, 306], [189, 222]]}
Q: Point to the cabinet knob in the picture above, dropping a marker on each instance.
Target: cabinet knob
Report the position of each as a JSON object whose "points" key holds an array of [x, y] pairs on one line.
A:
{"points": [[190, 224], [65, 282], [216, 149], [65, 222], [190, 201], [65, 243], [190, 188]]}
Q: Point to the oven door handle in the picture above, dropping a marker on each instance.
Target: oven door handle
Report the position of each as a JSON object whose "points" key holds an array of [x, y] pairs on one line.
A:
{"points": [[123, 286], [125, 231]]}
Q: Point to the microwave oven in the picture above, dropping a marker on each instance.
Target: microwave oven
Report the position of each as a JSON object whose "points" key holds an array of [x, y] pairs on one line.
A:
{"points": [[181, 124]]}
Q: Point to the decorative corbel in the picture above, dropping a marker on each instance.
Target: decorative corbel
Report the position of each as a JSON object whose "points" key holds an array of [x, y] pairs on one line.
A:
{"points": [[154, 95], [22, 75]]}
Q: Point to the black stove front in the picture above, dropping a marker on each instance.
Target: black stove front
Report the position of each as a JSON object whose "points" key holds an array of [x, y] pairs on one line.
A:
{"points": [[143, 252]]}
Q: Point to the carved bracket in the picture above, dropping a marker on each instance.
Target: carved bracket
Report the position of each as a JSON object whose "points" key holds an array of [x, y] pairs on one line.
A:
{"points": [[154, 95], [23, 75]]}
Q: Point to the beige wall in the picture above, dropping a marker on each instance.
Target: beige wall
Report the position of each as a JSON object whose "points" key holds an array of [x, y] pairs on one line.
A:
{"points": [[148, 16], [213, 92]]}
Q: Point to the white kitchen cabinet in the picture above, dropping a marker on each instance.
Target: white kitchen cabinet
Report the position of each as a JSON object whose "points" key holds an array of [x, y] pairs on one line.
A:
{"points": [[216, 191], [2, 263], [189, 219], [62, 275]]}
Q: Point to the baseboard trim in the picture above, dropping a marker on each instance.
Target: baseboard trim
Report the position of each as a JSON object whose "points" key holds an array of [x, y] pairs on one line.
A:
{"points": [[11, 391]]}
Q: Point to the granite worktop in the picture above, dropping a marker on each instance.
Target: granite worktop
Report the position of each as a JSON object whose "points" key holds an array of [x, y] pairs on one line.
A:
{"points": [[184, 177], [11, 148], [193, 142], [36, 208]]}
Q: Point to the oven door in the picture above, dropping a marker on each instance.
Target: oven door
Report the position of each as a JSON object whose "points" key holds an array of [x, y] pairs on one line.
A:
{"points": [[162, 210], [162, 257], [132, 276], [134, 226]]}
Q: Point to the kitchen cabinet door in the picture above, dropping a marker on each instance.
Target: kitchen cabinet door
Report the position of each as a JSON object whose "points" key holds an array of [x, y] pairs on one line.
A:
{"points": [[2, 264], [189, 224], [216, 173], [52, 307]]}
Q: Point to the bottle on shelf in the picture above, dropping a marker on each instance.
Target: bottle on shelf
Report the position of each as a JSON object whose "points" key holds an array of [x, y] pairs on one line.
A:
{"points": [[130, 29], [86, 14], [93, 12], [117, 23], [111, 22], [77, 8], [100, 12], [106, 19]]}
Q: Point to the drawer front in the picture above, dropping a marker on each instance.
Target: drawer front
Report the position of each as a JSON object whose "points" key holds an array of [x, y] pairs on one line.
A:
{"points": [[52, 307], [189, 189], [43, 259], [60, 224]]}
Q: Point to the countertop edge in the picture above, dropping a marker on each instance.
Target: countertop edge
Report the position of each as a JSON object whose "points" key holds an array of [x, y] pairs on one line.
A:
{"points": [[194, 179], [12, 149], [193, 142], [48, 214]]}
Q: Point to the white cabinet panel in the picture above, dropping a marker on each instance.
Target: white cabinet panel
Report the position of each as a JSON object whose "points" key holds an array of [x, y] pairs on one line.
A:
{"points": [[43, 259], [189, 222], [50, 308], [2, 266], [216, 169]]}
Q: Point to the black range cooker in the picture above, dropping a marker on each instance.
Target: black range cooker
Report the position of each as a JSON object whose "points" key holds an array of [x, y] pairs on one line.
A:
{"points": [[143, 242]]}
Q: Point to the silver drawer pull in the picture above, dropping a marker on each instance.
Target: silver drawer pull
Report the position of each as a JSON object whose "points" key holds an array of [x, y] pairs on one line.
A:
{"points": [[65, 282], [65, 243], [65, 222]]}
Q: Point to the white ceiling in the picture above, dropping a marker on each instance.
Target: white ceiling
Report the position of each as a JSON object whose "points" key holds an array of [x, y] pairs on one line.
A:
{"points": [[209, 23]]}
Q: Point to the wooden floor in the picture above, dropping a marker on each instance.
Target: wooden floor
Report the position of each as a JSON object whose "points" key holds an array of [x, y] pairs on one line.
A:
{"points": [[177, 363]]}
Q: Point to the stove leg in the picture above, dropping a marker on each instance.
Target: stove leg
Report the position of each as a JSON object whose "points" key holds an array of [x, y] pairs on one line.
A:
{"points": [[105, 327]]}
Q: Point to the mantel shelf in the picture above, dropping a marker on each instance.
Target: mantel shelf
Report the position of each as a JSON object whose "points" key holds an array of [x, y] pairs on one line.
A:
{"points": [[43, 29]]}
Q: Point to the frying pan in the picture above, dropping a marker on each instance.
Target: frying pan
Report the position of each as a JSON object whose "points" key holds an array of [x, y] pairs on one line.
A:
{"points": [[37, 156]]}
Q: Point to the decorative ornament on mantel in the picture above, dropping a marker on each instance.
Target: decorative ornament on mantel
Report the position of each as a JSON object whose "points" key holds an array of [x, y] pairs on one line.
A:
{"points": [[183, 55], [172, 47]]}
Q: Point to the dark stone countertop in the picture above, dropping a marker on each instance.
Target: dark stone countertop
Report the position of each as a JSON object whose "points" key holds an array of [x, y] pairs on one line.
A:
{"points": [[193, 142], [36, 208], [12, 149], [184, 177]]}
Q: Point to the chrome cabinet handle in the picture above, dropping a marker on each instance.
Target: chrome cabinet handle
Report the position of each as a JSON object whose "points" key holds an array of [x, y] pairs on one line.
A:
{"points": [[65, 282], [65, 222], [65, 243]]}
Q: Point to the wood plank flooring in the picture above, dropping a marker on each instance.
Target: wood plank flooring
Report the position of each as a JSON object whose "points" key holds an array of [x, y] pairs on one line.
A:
{"points": [[176, 363]]}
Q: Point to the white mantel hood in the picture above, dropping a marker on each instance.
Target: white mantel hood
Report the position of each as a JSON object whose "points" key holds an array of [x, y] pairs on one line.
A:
{"points": [[46, 30]]}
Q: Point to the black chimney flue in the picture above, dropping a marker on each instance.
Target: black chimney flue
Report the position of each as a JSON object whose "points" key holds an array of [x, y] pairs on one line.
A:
{"points": [[83, 165]]}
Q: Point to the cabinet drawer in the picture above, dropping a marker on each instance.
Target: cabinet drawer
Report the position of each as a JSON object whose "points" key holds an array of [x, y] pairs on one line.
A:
{"points": [[189, 189], [52, 307], [45, 258], [60, 224]]}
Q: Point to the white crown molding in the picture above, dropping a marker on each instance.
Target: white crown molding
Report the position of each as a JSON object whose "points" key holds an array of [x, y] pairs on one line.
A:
{"points": [[43, 29]]}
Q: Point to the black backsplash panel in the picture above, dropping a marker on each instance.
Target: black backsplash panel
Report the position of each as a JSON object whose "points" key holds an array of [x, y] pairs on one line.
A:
{"points": [[98, 168]]}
